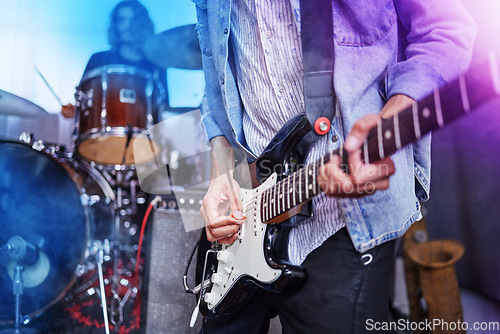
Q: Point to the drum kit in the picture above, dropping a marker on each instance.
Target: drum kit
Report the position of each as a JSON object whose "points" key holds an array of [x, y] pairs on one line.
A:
{"points": [[70, 220]]}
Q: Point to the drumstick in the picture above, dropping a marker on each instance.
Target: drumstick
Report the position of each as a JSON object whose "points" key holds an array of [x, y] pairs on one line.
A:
{"points": [[50, 88]]}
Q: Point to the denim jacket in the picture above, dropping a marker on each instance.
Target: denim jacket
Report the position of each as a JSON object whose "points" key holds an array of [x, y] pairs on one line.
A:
{"points": [[382, 48]]}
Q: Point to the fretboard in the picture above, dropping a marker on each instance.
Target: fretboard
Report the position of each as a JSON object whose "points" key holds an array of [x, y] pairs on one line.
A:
{"points": [[460, 97]]}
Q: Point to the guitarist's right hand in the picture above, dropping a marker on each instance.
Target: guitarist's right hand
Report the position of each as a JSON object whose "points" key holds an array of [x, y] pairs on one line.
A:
{"points": [[221, 207]]}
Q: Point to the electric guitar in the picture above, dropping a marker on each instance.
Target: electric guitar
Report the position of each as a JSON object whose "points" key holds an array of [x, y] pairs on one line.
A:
{"points": [[234, 272]]}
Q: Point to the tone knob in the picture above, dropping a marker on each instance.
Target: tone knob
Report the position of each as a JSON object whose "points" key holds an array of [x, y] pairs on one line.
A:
{"points": [[217, 279], [223, 256], [210, 298]]}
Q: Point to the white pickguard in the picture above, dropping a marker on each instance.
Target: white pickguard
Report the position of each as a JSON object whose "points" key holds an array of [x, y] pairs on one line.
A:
{"points": [[246, 255]]}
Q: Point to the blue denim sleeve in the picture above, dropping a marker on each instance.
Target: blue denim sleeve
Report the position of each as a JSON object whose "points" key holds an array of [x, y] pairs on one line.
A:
{"points": [[212, 91], [209, 122], [440, 35], [440, 38]]}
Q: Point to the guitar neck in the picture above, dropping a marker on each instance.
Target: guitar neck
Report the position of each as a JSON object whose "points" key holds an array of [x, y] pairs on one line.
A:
{"points": [[456, 99]]}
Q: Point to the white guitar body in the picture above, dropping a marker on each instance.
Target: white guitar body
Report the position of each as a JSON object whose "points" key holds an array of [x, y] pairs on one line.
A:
{"points": [[245, 257]]}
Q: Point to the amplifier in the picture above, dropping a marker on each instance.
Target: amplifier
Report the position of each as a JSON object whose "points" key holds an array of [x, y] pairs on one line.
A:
{"points": [[168, 308]]}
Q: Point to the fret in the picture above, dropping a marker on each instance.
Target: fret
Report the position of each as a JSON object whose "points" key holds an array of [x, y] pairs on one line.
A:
{"points": [[289, 192], [397, 134], [306, 169], [262, 207], [495, 71], [439, 111], [416, 122], [273, 202], [463, 93], [265, 206], [277, 197], [380, 141], [300, 187], [269, 204], [269, 195], [294, 192], [283, 192]]}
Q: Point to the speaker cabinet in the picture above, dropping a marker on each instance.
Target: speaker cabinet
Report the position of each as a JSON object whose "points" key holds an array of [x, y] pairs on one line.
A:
{"points": [[167, 306]]}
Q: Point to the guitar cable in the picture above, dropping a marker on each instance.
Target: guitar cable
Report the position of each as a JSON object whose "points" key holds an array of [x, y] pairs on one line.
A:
{"points": [[184, 278], [141, 235]]}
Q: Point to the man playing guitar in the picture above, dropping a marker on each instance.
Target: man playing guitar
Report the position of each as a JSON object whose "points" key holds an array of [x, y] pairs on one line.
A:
{"points": [[388, 53]]}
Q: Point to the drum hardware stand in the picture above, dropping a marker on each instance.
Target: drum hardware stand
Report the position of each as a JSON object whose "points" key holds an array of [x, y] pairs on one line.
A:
{"points": [[17, 289], [117, 304], [27, 137], [121, 179], [123, 186], [100, 260]]}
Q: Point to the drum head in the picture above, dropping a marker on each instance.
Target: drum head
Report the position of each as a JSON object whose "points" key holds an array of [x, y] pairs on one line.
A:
{"points": [[41, 203], [110, 150]]}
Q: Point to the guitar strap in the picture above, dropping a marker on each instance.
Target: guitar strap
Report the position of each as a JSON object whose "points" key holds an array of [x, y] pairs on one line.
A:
{"points": [[318, 60]]}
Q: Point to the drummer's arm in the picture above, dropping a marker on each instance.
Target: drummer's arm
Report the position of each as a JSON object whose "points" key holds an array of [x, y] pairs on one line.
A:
{"points": [[68, 110]]}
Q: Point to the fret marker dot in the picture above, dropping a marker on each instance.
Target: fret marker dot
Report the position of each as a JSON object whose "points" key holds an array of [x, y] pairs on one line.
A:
{"points": [[291, 189], [388, 134], [310, 172], [426, 112], [310, 186]]}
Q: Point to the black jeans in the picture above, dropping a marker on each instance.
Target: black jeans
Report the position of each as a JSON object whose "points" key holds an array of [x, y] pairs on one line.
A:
{"points": [[343, 291]]}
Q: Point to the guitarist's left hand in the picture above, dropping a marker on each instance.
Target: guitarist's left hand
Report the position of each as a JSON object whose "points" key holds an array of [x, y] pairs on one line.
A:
{"points": [[363, 179]]}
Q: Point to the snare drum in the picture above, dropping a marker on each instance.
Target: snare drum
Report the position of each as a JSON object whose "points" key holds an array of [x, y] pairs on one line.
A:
{"points": [[114, 104], [56, 205]]}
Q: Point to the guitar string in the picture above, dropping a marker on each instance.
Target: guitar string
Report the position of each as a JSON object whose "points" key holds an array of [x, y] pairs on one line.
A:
{"points": [[403, 122], [279, 185], [304, 171]]}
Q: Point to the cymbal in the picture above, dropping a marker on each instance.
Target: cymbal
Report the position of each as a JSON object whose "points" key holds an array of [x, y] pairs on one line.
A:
{"points": [[177, 47], [14, 105]]}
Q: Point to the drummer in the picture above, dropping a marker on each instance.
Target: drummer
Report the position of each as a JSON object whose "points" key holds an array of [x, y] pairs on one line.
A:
{"points": [[130, 26]]}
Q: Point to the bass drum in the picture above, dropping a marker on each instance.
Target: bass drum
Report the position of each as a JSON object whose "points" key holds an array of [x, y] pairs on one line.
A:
{"points": [[41, 198]]}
